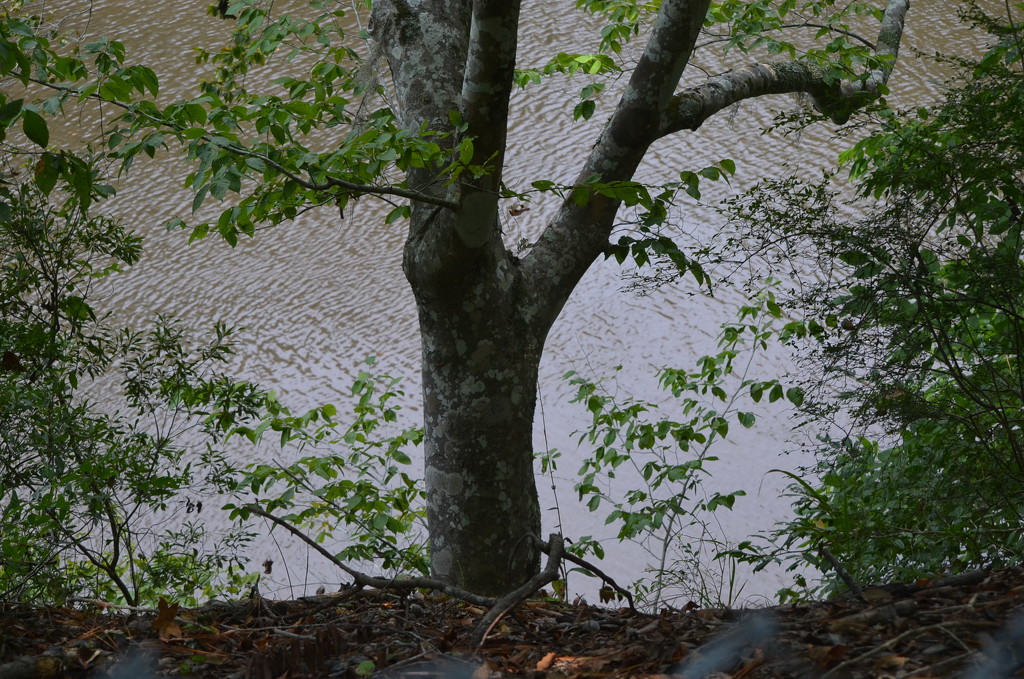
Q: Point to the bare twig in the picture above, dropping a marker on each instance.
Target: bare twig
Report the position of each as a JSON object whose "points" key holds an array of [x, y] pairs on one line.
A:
{"points": [[105, 605], [228, 629], [895, 640], [580, 561], [841, 571]]}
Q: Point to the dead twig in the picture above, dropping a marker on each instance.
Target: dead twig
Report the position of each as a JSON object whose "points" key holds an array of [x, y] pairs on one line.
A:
{"points": [[228, 629], [555, 551], [900, 637], [579, 561], [841, 571]]}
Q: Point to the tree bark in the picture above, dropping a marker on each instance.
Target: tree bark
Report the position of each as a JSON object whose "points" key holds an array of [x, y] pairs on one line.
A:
{"points": [[480, 361]]}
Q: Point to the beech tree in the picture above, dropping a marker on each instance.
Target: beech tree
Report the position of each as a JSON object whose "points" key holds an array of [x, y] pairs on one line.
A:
{"points": [[436, 143], [484, 313]]}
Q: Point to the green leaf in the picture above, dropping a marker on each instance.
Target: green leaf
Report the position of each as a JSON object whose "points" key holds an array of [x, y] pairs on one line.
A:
{"points": [[400, 212], [35, 128], [9, 112], [712, 173], [144, 79], [584, 109], [81, 181], [691, 183], [466, 151], [46, 172], [77, 309]]}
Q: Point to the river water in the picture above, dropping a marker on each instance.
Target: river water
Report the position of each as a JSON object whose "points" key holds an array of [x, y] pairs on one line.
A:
{"points": [[319, 295]]}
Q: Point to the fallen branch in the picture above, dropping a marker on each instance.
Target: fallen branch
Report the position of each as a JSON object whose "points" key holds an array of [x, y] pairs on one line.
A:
{"points": [[842, 572], [579, 561], [554, 548], [363, 580], [556, 552]]}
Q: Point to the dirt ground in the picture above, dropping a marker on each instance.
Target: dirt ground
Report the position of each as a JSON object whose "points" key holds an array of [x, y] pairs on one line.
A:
{"points": [[964, 626]]}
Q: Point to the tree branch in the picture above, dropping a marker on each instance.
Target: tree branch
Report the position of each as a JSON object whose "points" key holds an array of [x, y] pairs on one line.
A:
{"points": [[579, 232], [425, 43], [487, 85], [695, 105], [607, 579], [834, 29], [690, 108], [725, 37], [486, 89], [657, 73], [241, 151]]}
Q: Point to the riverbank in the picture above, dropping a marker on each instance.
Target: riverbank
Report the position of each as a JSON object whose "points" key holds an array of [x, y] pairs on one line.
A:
{"points": [[937, 628]]}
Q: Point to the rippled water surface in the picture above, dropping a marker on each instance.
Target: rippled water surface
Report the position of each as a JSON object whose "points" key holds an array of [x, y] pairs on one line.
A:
{"points": [[318, 295]]}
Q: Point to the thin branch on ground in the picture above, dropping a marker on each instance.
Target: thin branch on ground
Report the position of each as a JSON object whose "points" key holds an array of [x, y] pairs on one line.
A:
{"points": [[363, 580], [555, 550], [916, 631], [580, 561]]}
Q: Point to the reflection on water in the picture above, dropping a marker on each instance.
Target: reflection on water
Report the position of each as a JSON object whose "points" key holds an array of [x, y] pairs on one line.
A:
{"points": [[318, 295]]}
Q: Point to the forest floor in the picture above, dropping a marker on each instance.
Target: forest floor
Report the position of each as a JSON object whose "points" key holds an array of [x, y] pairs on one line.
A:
{"points": [[952, 627]]}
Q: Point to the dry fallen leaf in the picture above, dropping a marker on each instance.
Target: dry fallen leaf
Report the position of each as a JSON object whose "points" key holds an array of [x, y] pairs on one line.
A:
{"points": [[890, 662], [876, 596], [827, 656], [164, 624], [544, 663]]}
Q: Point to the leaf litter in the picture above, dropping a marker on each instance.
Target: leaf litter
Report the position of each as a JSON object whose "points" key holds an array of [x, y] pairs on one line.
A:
{"points": [[967, 626]]}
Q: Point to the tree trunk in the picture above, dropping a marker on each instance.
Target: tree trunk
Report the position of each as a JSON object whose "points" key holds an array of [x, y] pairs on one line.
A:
{"points": [[484, 314], [480, 361]]}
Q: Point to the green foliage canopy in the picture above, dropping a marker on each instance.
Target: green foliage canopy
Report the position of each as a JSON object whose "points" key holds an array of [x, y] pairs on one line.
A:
{"points": [[918, 333]]}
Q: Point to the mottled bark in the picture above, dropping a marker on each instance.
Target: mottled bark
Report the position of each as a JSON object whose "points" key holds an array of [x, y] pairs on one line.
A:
{"points": [[691, 107], [484, 315], [480, 359], [481, 350]]}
